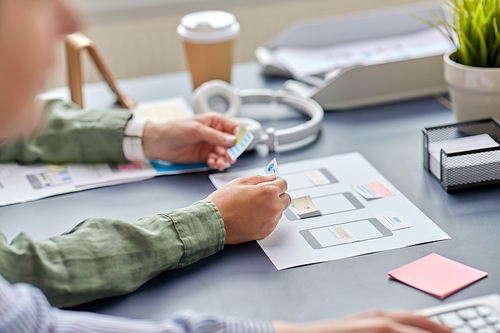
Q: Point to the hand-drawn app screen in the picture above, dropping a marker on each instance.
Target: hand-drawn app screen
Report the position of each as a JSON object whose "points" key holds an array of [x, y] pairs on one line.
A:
{"points": [[345, 233]]}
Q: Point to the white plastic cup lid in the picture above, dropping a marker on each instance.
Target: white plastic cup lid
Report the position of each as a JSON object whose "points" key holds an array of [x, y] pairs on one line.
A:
{"points": [[208, 27]]}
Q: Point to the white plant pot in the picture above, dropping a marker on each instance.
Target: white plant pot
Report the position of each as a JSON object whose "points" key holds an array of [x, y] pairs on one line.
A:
{"points": [[474, 91]]}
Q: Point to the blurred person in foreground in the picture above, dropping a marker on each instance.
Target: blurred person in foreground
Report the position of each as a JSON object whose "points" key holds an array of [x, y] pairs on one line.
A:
{"points": [[104, 257]]}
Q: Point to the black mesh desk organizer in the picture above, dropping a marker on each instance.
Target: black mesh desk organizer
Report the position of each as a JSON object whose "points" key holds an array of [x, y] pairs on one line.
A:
{"points": [[466, 170]]}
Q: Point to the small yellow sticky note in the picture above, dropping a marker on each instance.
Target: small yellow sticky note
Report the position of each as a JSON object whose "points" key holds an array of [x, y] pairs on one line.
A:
{"points": [[241, 135], [55, 168], [314, 176], [304, 205], [317, 177], [45, 180], [342, 234]]}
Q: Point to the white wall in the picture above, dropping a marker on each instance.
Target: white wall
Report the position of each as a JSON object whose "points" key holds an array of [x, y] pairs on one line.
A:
{"points": [[138, 37]]}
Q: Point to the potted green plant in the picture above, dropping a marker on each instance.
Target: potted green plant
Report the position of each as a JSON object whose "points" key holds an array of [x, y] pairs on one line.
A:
{"points": [[472, 70]]}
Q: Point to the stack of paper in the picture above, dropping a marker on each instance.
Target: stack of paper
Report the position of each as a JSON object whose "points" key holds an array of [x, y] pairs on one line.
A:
{"points": [[458, 145], [303, 62]]}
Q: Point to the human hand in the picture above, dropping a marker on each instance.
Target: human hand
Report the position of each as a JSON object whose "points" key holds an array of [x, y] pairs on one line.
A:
{"points": [[370, 322], [203, 138], [251, 207]]}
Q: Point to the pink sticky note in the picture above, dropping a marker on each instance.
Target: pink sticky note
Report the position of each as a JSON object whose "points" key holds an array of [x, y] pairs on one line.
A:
{"points": [[378, 189], [437, 275]]}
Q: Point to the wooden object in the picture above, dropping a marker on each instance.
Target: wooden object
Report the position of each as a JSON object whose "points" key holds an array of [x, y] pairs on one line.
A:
{"points": [[75, 45]]}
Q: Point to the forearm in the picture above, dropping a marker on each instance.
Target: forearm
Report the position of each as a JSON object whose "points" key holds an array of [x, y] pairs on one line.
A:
{"points": [[72, 135], [103, 257], [181, 322], [24, 308]]}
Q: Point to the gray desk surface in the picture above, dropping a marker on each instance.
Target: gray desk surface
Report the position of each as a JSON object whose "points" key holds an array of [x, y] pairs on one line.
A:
{"points": [[240, 280]]}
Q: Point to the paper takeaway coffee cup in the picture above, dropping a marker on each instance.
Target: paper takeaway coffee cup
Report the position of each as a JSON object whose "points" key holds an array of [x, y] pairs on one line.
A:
{"points": [[208, 39]]}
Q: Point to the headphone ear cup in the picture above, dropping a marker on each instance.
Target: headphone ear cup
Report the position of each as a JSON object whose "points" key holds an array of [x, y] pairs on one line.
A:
{"points": [[216, 96]]}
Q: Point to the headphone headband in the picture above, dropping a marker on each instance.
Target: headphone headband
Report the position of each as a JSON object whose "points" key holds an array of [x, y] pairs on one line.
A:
{"points": [[279, 140], [293, 136]]}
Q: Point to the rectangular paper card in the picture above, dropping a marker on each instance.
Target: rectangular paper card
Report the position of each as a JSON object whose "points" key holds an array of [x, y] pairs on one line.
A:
{"points": [[343, 235], [272, 167], [372, 190], [437, 275], [393, 221], [304, 207], [243, 140]]}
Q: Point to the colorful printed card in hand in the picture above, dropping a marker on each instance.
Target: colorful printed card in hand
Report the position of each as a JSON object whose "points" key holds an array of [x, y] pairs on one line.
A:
{"points": [[243, 140]]}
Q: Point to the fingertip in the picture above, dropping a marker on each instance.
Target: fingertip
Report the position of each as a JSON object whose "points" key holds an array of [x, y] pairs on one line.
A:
{"points": [[230, 139], [221, 164], [221, 151], [212, 160], [272, 177], [229, 159]]}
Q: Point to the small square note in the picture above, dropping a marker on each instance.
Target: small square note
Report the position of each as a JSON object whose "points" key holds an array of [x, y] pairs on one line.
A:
{"points": [[437, 275], [304, 207], [373, 190]]}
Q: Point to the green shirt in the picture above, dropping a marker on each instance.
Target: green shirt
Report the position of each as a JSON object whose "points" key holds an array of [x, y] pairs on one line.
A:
{"points": [[101, 257], [74, 135]]}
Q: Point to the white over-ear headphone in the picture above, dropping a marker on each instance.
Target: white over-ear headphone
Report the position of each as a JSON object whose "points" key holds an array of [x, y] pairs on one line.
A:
{"points": [[220, 96]]}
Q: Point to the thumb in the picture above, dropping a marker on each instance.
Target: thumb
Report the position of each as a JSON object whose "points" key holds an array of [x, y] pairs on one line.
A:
{"points": [[215, 137]]}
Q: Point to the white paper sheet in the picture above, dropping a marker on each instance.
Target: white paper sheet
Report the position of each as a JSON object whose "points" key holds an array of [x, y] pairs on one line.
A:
{"points": [[164, 110], [19, 183], [287, 246], [92, 174], [302, 62], [26, 183]]}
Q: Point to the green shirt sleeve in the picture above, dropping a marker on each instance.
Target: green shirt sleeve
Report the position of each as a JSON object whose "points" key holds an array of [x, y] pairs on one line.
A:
{"points": [[72, 135], [104, 257]]}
